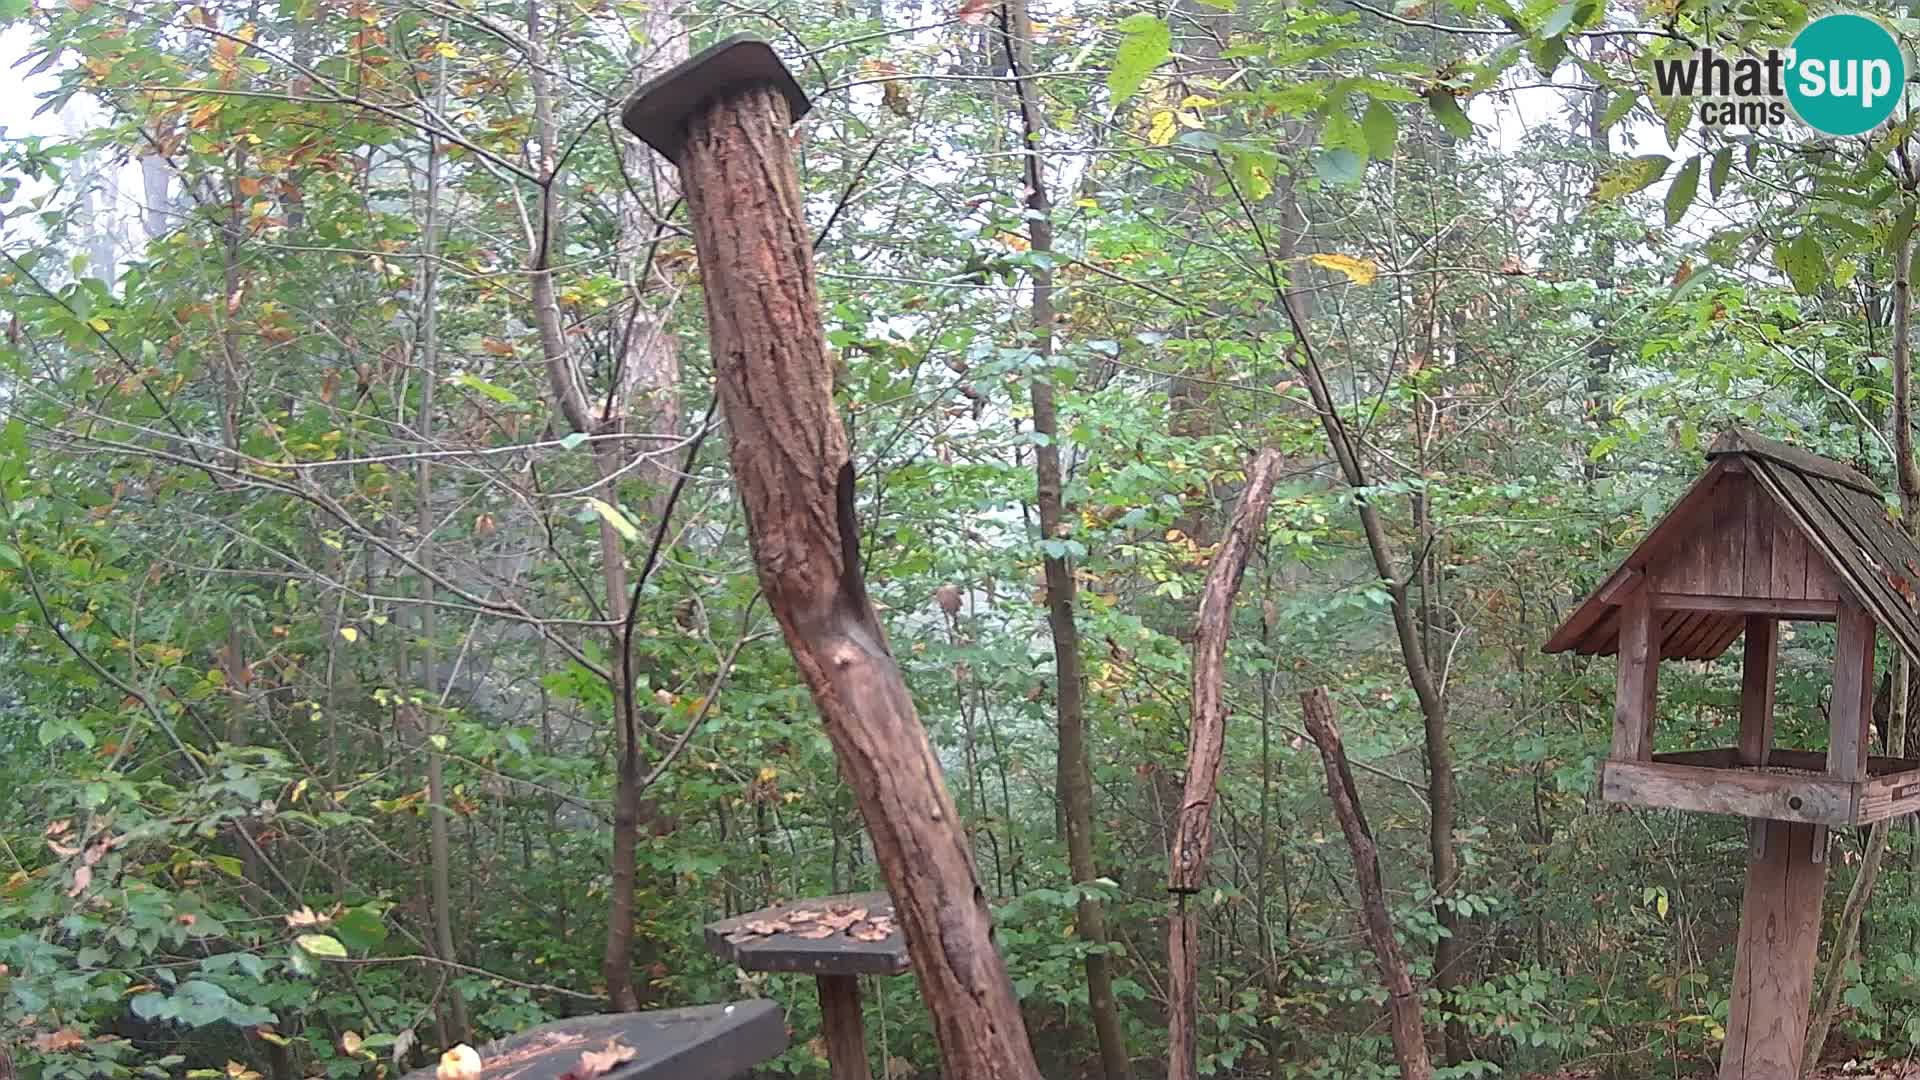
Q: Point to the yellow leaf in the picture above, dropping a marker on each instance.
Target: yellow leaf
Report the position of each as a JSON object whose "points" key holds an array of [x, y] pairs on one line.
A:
{"points": [[350, 634], [1190, 120], [612, 516], [1358, 271], [1660, 904], [1195, 101], [100, 324], [1161, 133]]}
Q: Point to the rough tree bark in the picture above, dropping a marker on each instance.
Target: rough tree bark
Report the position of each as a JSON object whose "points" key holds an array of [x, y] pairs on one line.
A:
{"points": [[1074, 768], [1206, 747], [1403, 1003], [792, 465]]}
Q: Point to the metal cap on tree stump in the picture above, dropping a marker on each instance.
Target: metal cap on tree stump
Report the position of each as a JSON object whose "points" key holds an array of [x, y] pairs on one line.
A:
{"points": [[658, 111]]}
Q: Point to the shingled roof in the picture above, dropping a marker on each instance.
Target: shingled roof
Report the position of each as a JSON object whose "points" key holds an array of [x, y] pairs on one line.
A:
{"points": [[1766, 520]]}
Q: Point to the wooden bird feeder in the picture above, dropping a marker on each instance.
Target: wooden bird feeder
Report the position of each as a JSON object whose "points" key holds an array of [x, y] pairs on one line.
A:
{"points": [[1768, 534], [836, 939]]}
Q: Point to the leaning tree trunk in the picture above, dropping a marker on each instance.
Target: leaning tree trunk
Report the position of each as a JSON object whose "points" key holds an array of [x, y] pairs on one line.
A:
{"points": [[1206, 747], [1403, 1004], [792, 465]]}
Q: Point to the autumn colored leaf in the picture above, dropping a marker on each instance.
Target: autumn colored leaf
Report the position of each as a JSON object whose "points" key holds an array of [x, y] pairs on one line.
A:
{"points": [[1358, 271], [596, 1062], [59, 1042]]}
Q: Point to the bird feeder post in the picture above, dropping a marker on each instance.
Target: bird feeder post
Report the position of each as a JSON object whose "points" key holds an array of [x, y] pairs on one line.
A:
{"points": [[843, 1026]]}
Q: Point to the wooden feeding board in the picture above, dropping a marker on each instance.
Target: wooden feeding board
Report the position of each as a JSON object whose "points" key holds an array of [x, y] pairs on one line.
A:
{"points": [[849, 934], [836, 939], [1792, 786], [707, 1042]]}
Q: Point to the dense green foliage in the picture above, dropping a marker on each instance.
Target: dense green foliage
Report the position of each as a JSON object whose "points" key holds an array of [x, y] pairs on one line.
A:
{"points": [[214, 541]]}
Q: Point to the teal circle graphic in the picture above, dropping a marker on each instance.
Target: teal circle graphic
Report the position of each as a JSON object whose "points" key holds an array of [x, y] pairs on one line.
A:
{"points": [[1846, 75]]}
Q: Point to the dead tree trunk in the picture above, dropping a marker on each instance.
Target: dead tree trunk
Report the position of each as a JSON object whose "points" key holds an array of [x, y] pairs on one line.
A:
{"points": [[724, 117], [1403, 1004], [1206, 747]]}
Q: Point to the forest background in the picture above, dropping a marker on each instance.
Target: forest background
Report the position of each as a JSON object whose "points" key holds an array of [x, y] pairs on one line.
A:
{"points": [[354, 364]]}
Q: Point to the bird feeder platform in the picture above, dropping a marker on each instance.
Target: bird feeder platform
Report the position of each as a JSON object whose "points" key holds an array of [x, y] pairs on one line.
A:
{"points": [[836, 939], [1768, 534], [707, 1042]]}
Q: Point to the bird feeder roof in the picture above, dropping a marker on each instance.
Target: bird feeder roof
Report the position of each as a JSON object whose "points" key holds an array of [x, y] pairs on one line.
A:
{"points": [[1767, 526]]}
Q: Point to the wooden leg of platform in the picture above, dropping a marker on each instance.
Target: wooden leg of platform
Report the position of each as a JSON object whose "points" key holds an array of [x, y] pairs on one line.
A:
{"points": [[1773, 970], [845, 1031]]}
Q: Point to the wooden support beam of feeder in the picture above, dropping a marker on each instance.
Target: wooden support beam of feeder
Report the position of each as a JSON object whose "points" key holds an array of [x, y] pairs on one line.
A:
{"points": [[725, 118], [1850, 712], [1637, 680], [1756, 689]]}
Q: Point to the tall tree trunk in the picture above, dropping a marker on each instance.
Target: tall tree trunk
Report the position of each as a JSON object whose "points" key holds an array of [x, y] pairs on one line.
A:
{"points": [[1074, 769], [647, 360], [427, 348], [1907, 472], [1599, 404], [644, 388], [792, 464], [1206, 749]]}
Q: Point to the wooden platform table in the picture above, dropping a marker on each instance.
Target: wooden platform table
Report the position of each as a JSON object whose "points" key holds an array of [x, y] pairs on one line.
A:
{"points": [[836, 939], [706, 1042]]}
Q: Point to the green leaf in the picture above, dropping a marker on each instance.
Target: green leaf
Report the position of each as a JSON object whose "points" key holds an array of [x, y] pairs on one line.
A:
{"points": [[1340, 167], [1902, 231], [1342, 132], [1680, 193], [574, 441], [12, 9], [1631, 175], [1446, 110], [361, 928], [1380, 129], [481, 386], [1547, 55], [612, 516], [1679, 115], [1559, 20], [1717, 176], [1617, 109], [1805, 263], [1146, 46], [321, 945]]}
